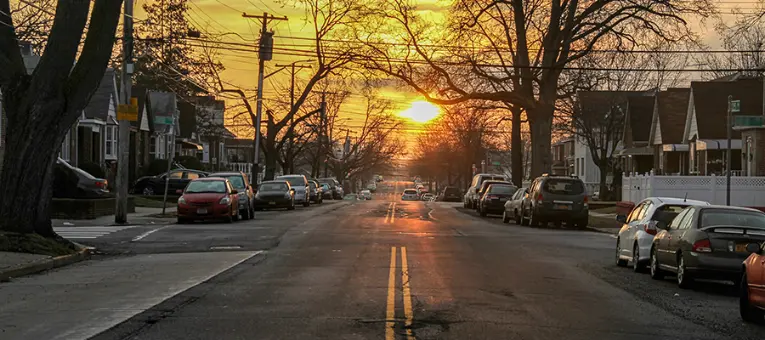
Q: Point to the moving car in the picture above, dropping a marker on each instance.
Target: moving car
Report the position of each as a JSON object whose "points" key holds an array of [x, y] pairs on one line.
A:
{"points": [[513, 206], [316, 193], [208, 198], [470, 199], [73, 182], [410, 195], [366, 194], [428, 197], [451, 194], [556, 199], [155, 185], [752, 296], [706, 242], [275, 194], [241, 183], [485, 185], [334, 186], [299, 184], [652, 214], [494, 198]]}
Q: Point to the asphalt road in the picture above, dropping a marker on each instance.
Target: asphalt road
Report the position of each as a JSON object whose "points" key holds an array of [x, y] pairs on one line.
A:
{"points": [[380, 269]]}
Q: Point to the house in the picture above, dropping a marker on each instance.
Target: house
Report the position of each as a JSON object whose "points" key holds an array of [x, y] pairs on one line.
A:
{"points": [[187, 142], [637, 153], [140, 135], [210, 119], [97, 128], [563, 157], [705, 128], [666, 135]]}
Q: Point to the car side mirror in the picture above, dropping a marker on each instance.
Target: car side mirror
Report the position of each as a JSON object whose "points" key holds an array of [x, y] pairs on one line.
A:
{"points": [[754, 248], [621, 218], [234, 192], [179, 191]]}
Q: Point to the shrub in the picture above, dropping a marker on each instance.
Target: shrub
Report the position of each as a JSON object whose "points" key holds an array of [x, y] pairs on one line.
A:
{"points": [[156, 167], [94, 169], [189, 162]]}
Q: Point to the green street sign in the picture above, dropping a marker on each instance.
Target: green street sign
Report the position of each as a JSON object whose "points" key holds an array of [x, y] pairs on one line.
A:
{"points": [[495, 163], [735, 106], [748, 121], [167, 120]]}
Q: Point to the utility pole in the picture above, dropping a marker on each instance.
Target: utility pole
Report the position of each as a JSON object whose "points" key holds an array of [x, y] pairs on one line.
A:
{"points": [[323, 118], [293, 66], [265, 53], [727, 154], [121, 206]]}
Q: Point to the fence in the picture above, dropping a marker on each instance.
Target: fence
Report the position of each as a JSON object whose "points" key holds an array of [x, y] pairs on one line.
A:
{"points": [[744, 191]]}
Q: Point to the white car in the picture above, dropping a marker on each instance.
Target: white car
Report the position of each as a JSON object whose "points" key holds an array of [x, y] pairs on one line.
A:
{"points": [[410, 195], [644, 221], [366, 194]]}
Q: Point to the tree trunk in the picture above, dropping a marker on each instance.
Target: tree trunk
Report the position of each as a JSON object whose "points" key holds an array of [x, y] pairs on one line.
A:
{"points": [[541, 140], [516, 147], [255, 163], [603, 186]]}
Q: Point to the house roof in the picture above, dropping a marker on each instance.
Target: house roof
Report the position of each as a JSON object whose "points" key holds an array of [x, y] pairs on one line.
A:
{"points": [[98, 107], [710, 100], [640, 112], [672, 108]]}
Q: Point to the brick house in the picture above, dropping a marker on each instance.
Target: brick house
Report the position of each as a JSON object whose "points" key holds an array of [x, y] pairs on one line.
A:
{"points": [[563, 157], [637, 153], [666, 135]]}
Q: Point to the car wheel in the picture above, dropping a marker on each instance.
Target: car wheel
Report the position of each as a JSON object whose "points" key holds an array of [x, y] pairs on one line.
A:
{"points": [[748, 312], [182, 220], [505, 219], [515, 216], [533, 219], [464, 204], [252, 212], [482, 211], [245, 214], [306, 203], [684, 280], [236, 215], [148, 190], [292, 205], [637, 266], [619, 261], [229, 218], [656, 272], [582, 224], [524, 220]]}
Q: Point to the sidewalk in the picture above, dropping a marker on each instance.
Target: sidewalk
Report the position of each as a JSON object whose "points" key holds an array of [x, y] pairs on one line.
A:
{"points": [[21, 264], [604, 223], [141, 216]]}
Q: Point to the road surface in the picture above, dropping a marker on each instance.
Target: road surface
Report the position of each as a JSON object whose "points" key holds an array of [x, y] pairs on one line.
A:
{"points": [[380, 269]]}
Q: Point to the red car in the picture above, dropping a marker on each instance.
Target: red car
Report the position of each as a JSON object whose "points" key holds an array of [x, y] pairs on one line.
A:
{"points": [[208, 198], [752, 297]]}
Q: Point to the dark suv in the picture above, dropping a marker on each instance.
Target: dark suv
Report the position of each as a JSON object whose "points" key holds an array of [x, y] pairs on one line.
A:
{"points": [[556, 199]]}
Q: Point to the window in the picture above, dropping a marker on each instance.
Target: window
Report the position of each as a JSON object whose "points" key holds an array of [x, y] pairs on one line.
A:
{"points": [[176, 175], [192, 175], [110, 142], [152, 146], [637, 211], [730, 217], [675, 224], [563, 186], [206, 186]]}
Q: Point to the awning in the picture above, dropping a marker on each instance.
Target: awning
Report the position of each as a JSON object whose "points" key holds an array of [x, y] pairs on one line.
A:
{"points": [[644, 151], [191, 144], [717, 144], [675, 147]]}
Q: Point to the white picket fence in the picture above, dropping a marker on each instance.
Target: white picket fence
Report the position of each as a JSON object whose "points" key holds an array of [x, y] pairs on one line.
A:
{"points": [[744, 191]]}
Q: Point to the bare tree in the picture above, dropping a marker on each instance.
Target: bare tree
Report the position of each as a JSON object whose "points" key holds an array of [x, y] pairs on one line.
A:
{"points": [[47, 103], [32, 24]]}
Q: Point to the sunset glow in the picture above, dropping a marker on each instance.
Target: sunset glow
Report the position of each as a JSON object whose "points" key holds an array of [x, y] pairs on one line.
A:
{"points": [[421, 112]]}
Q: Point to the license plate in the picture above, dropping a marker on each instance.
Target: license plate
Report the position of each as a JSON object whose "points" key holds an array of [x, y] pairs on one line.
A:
{"points": [[272, 203], [741, 248], [201, 211], [562, 207]]}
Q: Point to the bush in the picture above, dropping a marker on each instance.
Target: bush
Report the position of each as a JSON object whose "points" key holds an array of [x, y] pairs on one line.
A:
{"points": [[94, 169], [189, 162], [156, 167]]}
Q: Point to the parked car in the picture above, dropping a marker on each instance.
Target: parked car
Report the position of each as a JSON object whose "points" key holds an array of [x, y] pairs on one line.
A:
{"points": [[372, 187], [326, 191], [451, 194], [706, 242], [241, 183], [351, 197], [275, 194], [513, 206], [335, 187], [752, 296], [428, 197], [366, 194], [155, 185], [410, 195], [72, 182], [652, 214], [494, 198], [208, 198], [300, 184], [470, 199], [316, 193], [485, 185], [556, 199]]}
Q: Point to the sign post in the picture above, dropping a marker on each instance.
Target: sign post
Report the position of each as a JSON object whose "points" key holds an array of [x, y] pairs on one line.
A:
{"points": [[734, 106]]}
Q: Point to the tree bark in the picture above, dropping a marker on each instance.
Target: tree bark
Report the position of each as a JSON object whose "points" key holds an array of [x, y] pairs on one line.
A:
{"points": [[516, 147], [541, 140], [605, 192]]}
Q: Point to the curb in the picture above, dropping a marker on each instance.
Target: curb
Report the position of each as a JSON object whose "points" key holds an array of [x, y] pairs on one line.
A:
{"points": [[52, 263], [602, 230]]}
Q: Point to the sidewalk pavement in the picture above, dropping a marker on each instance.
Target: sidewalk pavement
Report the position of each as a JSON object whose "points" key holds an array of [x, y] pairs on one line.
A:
{"points": [[141, 216], [22, 264], [604, 223]]}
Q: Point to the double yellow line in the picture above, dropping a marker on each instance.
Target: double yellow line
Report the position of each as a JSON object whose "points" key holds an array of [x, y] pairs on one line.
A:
{"points": [[390, 217], [390, 312]]}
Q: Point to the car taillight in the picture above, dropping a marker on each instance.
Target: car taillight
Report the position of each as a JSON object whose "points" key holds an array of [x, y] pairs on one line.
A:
{"points": [[702, 246], [650, 229], [540, 197], [101, 184], [586, 199], [492, 197]]}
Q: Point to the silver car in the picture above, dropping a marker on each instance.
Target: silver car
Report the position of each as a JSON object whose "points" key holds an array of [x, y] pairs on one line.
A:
{"points": [[513, 206], [300, 184]]}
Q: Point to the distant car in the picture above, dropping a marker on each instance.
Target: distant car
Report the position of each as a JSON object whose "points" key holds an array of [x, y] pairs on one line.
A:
{"points": [[752, 296], [334, 186], [300, 184], [451, 194], [208, 198], [241, 183], [366, 194], [706, 242], [372, 187], [556, 199], [428, 197], [72, 182], [316, 194], [513, 206], [652, 214], [485, 185], [155, 185], [410, 195], [326, 191], [275, 194], [470, 199], [494, 198]]}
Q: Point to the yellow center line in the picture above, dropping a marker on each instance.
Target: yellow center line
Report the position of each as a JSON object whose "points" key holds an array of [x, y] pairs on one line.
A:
{"points": [[387, 213], [390, 312], [393, 213], [407, 295]]}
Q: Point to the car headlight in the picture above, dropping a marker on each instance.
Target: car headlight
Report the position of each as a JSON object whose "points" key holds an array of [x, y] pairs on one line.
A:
{"points": [[225, 200], [181, 200]]}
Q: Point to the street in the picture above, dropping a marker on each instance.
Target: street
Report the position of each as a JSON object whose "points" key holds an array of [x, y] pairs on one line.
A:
{"points": [[360, 270]]}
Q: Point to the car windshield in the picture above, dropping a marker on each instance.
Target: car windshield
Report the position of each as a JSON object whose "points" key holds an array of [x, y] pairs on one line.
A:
{"points": [[502, 189], [325, 186], [452, 191], [218, 187], [273, 187], [294, 181], [666, 213], [563, 186], [410, 192], [236, 181], [730, 217]]}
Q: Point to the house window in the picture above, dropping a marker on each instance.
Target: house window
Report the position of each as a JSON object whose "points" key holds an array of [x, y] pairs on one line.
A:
{"points": [[110, 142], [157, 147]]}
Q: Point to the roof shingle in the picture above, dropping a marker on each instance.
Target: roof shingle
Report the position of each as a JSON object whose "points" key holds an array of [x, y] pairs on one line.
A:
{"points": [[710, 101]]}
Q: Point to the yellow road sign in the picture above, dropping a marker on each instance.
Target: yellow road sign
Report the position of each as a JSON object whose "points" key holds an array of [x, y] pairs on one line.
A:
{"points": [[128, 112]]}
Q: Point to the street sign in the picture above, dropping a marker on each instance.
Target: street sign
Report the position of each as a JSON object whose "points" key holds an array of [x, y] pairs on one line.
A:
{"points": [[495, 163], [128, 112], [167, 120], [735, 106], [748, 121]]}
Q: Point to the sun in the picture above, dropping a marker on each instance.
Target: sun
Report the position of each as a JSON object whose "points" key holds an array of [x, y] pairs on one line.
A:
{"points": [[421, 112]]}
